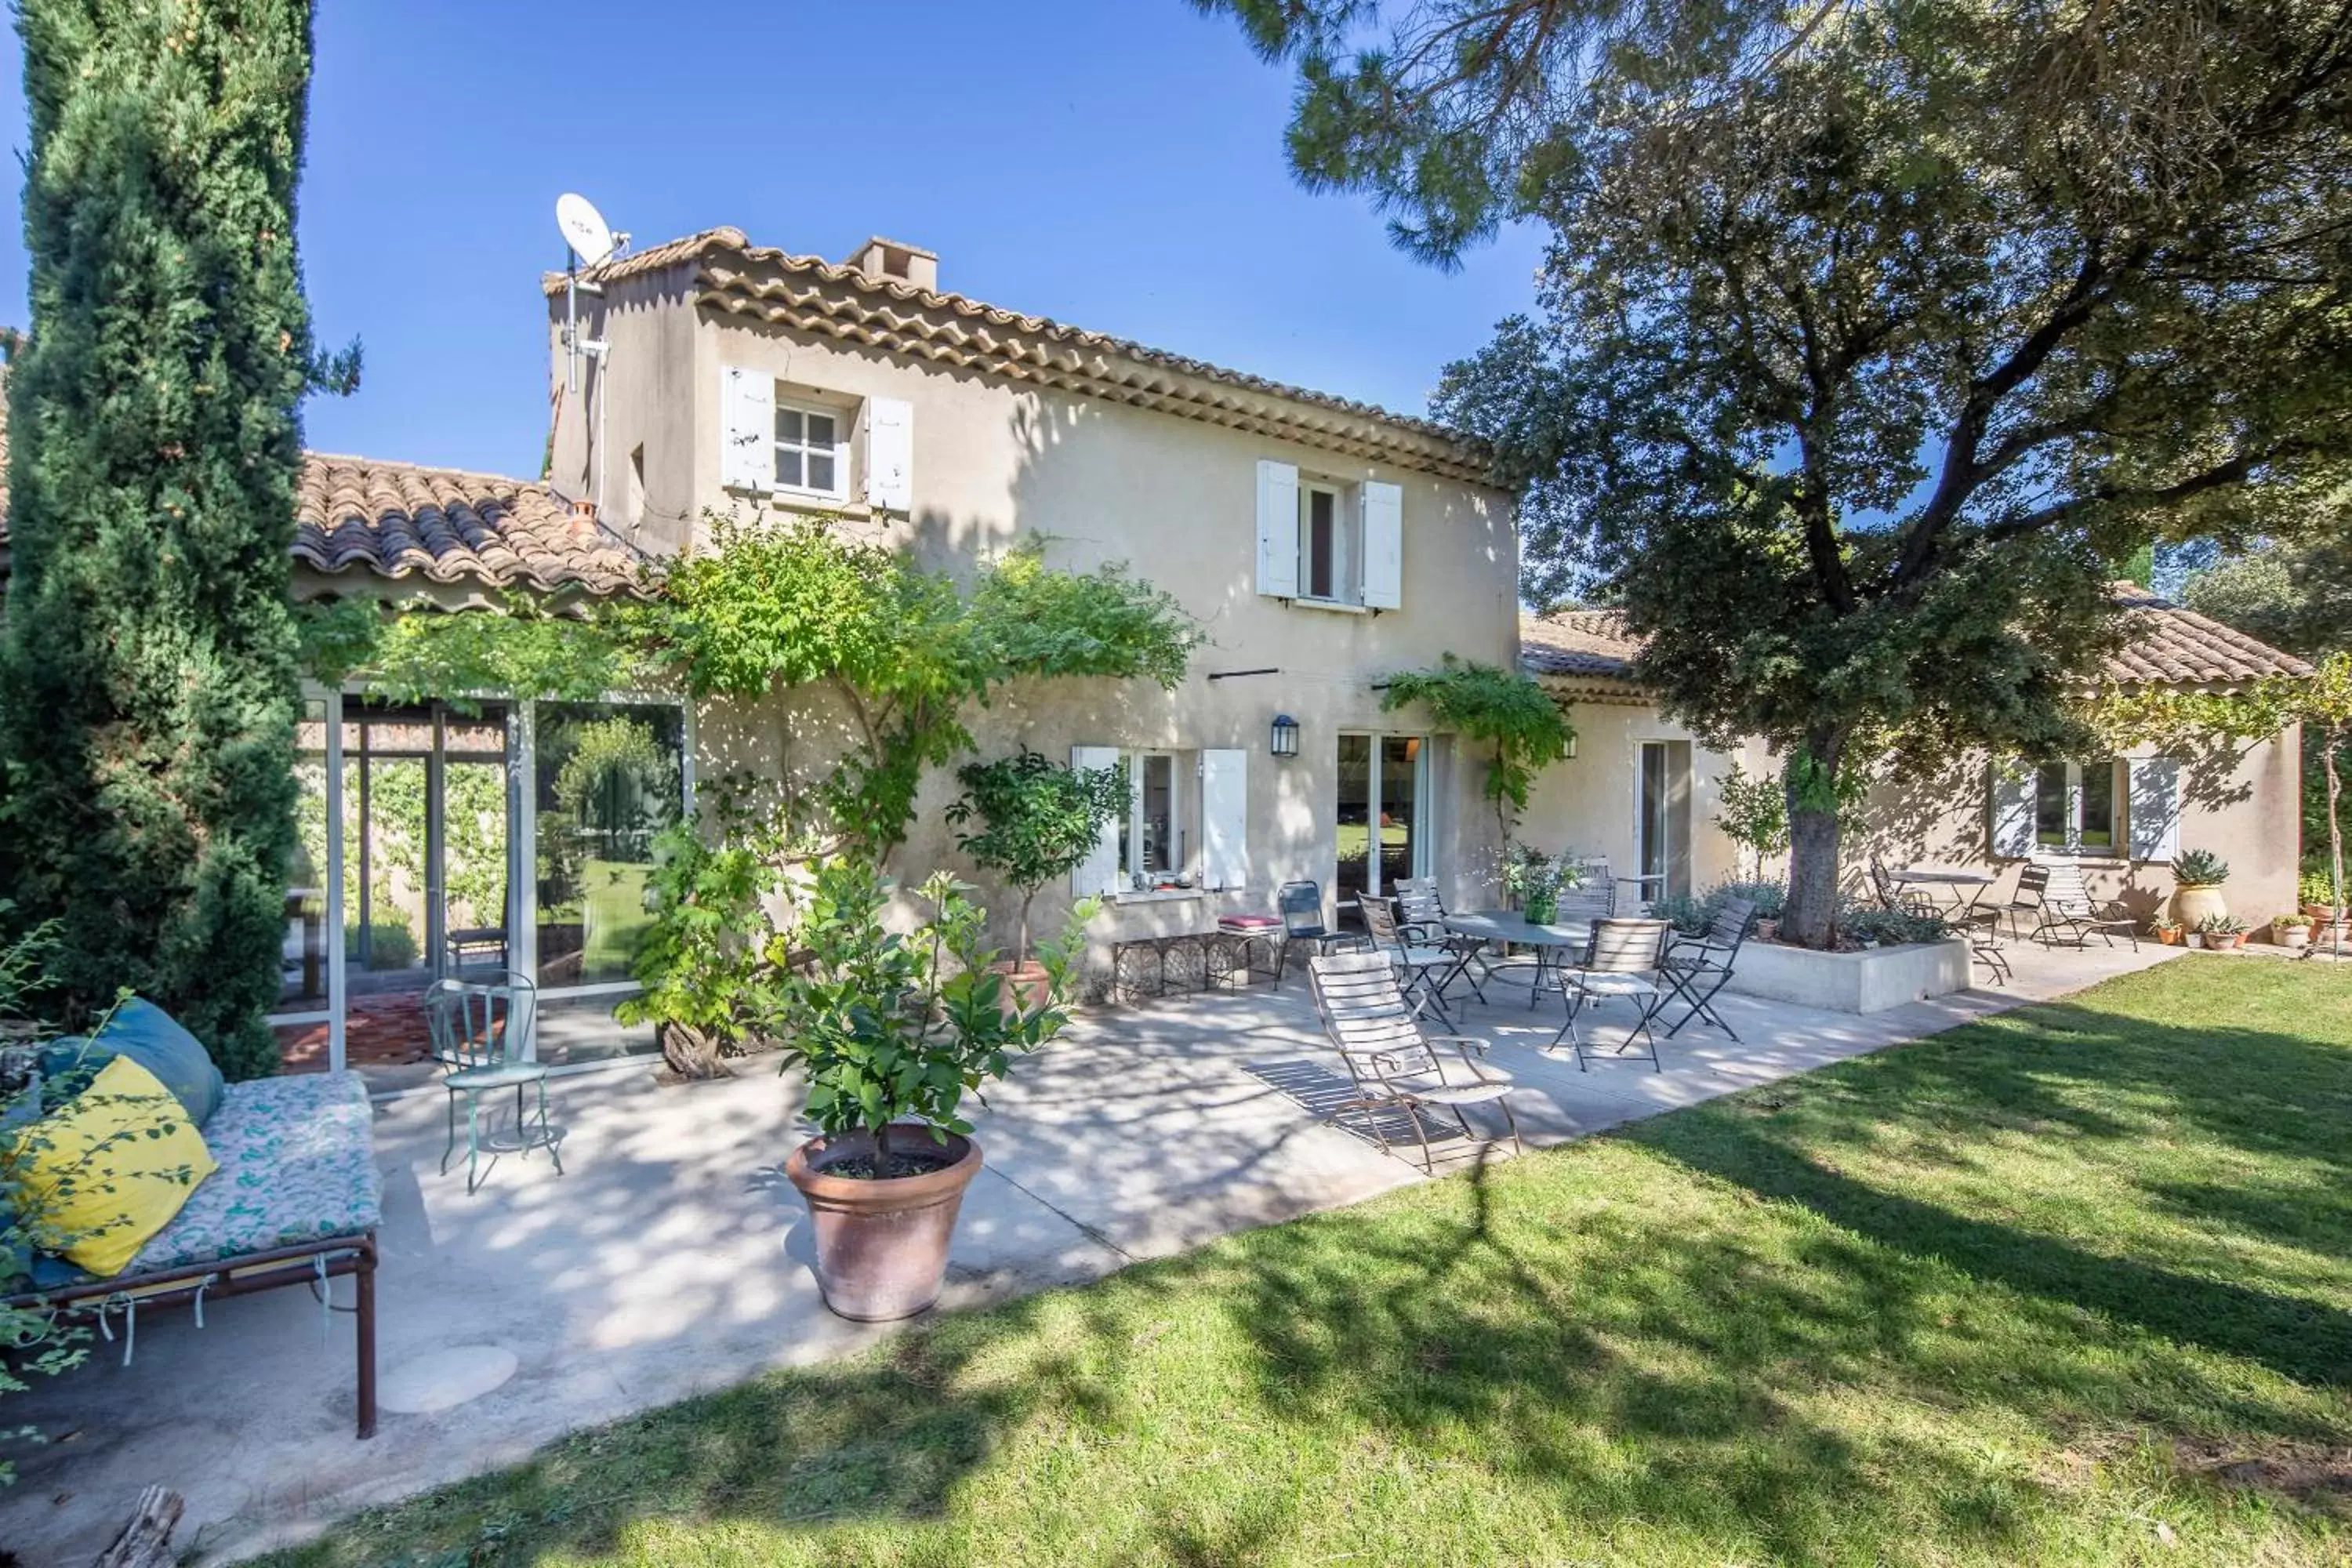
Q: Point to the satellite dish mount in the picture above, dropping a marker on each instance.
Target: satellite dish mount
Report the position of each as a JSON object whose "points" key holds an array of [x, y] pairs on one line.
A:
{"points": [[587, 240]]}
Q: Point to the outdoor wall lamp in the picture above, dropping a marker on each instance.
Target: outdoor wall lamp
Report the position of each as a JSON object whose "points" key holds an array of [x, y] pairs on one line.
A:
{"points": [[1568, 747], [1285, 735]]}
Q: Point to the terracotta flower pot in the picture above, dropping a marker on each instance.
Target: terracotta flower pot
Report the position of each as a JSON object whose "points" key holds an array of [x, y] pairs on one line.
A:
{"points": [[2195, 903], [882, 1244], [2168, 938], [1027, 986], [2224, 940]]}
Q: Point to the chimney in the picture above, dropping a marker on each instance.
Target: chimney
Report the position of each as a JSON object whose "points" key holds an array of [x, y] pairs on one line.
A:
{"points": [[887, 261], [583, 519]]}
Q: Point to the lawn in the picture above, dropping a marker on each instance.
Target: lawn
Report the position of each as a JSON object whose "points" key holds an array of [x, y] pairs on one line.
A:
{"points": [[2073, 1285]]}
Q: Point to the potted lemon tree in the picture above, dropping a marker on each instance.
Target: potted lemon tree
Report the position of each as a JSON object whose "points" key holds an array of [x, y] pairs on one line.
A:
{"points": [[895, 1028], [1035, 821]]}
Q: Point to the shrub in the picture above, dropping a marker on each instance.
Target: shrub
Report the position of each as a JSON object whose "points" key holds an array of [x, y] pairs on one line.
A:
{"points": [[1866, 922]]}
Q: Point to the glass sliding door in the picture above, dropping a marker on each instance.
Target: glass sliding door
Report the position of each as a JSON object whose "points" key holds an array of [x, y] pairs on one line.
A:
{"points": [[308, 1015], [607, 777], [1378, 820], [424, 869], [1662, 818]]}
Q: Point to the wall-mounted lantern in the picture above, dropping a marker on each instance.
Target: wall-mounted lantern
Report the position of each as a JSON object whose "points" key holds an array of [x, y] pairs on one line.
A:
{"points": [[1285, 735], [1568, 747]]}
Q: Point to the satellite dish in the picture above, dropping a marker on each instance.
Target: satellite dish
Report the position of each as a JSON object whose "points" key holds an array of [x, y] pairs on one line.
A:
{"points": [[584, 228]]}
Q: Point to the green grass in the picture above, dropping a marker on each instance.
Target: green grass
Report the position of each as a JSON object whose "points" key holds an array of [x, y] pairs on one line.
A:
{"points": [[2073, 1285]]}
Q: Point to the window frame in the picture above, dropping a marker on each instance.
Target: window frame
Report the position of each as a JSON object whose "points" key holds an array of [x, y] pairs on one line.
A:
{"points": [[839, 448], [2072, 840], [1347, 544], [1182, 827]]}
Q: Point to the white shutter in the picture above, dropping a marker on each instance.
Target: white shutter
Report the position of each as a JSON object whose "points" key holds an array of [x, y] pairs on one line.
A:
{"points": [[1224, 820], [889, 454], [1278, 530], [1383, 546], [2009, 811], [746, 430], [1097, 874], [2153, 807]]}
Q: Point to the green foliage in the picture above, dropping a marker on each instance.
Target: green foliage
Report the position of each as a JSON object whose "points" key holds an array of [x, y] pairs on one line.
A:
{"points": [[710, 962], [2200, 869], [1865, 921], [771, 608], [1503, 709], [1871, 335], [1754, 814], [2223, 924], [516, 648], [148, 682], [1039, 819], [2314, 887], [1692, 913], [895, 1026], [1533, 881], [2294, 594]]}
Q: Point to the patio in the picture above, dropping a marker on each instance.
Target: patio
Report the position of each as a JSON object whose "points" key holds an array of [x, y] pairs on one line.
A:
{"points": [[670, 1259]]}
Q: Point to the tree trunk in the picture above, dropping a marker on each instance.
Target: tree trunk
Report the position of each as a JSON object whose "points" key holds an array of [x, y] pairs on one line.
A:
{"points": [[1811, 918], [2335, 844], [1021, 954], [691, 1053]]}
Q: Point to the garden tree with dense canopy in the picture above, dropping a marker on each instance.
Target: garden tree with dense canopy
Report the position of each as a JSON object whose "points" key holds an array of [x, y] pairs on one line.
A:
{"points": [[1037, 820], [1874, 335], [148, 679]]}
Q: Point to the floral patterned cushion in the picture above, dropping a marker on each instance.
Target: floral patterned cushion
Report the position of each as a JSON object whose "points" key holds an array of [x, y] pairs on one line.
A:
{"points": [[297, 1163]]}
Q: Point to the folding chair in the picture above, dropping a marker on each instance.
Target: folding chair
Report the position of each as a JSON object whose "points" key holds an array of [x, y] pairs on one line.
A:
{"points": [[1696, 968], [1425, 969], [1390, 1061], [1424, 922], [1624, 959], [1300, 905]]}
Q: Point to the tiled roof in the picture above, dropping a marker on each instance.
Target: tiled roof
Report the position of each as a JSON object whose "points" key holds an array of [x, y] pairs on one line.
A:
{"points": [[2164, 645], [809, 294], [398, 521]]}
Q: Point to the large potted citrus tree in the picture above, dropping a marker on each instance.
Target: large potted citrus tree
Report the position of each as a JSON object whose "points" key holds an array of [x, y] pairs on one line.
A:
{"points": [[1036, 821], [894, 1030]]}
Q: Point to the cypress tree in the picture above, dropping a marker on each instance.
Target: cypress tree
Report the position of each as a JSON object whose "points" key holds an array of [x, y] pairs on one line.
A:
{"points": [[148, 680]]}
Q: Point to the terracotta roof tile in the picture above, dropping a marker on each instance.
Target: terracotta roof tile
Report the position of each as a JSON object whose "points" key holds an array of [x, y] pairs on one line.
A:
{"points": [[810, 294], [398, 520], [2164, 645]]}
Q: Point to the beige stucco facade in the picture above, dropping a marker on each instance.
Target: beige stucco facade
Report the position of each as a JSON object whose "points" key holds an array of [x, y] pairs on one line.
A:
{"points": [[1175, 498]]}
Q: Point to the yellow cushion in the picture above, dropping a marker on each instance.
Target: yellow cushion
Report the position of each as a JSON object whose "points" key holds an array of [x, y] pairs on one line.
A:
{"points": [[110, 1168]]}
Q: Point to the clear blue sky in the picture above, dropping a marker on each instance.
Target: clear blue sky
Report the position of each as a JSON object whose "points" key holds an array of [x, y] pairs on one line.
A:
{"points": [[1114, 165]]}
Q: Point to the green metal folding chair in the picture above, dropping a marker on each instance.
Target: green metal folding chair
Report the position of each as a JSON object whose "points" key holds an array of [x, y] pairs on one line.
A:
{"points": [[481, 1033]]}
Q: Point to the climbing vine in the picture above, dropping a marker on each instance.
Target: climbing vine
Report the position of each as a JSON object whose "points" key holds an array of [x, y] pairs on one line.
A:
{"points": [[1518, 722], [514, 647]]}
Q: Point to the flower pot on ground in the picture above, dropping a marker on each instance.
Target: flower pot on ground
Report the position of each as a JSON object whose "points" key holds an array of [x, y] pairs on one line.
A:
{"points": [[2193, 939], [894, 1030], [2197, 876], [2166, 931], [2292, 930], [2221, 931]]}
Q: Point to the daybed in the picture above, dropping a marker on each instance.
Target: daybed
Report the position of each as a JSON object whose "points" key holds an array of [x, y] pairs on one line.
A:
{"points": [[295, 1201]]}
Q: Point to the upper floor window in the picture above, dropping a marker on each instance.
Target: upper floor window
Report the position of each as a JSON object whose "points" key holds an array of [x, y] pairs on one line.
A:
{"points": [[809, 455], [1329, 542]]}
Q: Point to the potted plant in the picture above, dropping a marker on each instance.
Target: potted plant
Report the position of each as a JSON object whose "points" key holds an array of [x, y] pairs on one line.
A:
{"points": [[894, 1028], [2291, 929], [2222, 932], [2312, 891], [1038, 820], [2165, 930], [2197, 876], [1532, 880]]}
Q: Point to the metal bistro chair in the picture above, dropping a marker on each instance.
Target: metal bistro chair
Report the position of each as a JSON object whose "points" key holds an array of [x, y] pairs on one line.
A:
{"points": [[1624, 957], [2068, 908], [1424, 922], [1389, 1060], [479, 1034], [1300, 905], [1696, 968], [1425, 969]]}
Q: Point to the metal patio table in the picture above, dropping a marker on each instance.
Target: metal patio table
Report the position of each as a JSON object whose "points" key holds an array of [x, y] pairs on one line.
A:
{"points": [[1965, 886], [1510, 927]]}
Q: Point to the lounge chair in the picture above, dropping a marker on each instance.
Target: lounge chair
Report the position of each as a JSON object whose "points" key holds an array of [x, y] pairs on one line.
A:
{"points": [[1390, 1061], [2063, 909]]}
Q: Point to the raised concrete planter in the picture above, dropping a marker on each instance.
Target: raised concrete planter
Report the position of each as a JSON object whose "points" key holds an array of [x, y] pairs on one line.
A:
{"points": [[1870, 981]]}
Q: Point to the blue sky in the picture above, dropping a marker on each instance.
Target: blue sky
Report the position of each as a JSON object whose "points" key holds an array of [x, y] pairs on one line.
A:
{"points": [[1117, 166]]}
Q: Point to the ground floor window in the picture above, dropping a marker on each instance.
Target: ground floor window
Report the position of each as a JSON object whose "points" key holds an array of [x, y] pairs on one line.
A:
{"points": [[2074, 806], [1156, 836]]}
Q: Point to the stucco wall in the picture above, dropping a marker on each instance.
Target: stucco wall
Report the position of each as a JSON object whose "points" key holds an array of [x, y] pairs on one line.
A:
{"points": [[1175, 499], [1589, 803]]}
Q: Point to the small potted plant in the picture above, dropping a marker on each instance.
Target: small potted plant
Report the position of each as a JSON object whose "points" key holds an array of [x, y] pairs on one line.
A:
{"points": [[2222, 932], [894, 1028], [1533, 880], [2197, 876], [2291, 929], [1039, 822], [2165, 930], [2316, 894]]}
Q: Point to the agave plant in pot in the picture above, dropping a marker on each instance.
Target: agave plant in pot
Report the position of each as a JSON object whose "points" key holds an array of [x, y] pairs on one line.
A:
{"points": [[894, 1028], [2197, 876]]}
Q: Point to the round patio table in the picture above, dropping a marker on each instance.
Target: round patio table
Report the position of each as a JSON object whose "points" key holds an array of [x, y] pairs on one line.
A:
{"points": [[1510, 927]]}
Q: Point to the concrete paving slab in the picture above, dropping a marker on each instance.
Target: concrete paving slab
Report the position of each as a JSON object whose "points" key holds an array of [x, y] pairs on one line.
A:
{"points": [[671, 1257]]}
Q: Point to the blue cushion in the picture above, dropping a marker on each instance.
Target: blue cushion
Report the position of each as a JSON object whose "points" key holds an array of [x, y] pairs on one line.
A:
{"points": [[151, 1038]]}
